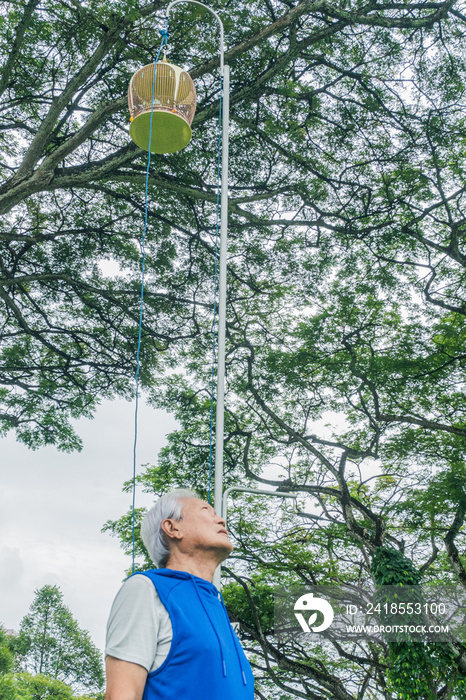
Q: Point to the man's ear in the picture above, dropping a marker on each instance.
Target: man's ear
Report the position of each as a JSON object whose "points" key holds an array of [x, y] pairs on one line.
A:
{"points": [[171, 529]]}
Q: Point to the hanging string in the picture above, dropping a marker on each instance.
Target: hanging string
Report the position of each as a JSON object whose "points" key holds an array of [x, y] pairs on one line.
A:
{"points": [[164, 34], [214, 320]]}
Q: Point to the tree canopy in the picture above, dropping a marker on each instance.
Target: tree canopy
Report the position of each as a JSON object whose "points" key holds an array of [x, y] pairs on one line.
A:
{"points": [[346, 136], [24, 686], [346, 340], [8, 656], [55, 646]]}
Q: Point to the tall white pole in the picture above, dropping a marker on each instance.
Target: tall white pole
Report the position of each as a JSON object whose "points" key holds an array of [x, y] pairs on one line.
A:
{"points": [[222, 308], [222, 277]]}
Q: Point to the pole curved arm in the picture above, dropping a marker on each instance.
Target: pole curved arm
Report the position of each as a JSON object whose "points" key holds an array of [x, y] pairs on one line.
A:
{"points": [[196, 2], [246, 489]]}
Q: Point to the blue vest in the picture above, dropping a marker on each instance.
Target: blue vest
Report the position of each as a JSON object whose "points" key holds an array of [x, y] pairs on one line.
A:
{"points": [[206, 660]]}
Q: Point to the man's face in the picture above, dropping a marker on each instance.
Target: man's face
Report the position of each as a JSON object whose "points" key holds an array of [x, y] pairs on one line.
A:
{"points": [[201, 529]]}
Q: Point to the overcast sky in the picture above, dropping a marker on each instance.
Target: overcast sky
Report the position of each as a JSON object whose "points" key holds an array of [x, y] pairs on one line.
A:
{"points": [[53, 506]]}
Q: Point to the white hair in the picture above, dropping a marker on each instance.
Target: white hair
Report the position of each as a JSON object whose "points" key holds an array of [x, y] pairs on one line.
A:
{"points": [[154, 538]]}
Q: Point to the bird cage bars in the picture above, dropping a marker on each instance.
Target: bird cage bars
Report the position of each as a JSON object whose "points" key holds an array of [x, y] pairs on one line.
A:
{"points": [[173, 108]]}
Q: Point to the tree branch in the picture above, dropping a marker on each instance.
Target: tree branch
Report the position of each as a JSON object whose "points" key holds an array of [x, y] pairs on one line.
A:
{"points": [[449, 539]]}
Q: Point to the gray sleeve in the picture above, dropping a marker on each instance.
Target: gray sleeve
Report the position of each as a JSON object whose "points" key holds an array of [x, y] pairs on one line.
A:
{"points": [[139, 628]]}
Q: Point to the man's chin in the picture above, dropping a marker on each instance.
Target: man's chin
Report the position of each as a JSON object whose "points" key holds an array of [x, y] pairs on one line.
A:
{"points": [[226, 549]]}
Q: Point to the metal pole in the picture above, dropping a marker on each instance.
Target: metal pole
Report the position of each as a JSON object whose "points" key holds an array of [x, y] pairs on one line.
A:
{"points": [[222, 308], [222, 277]]}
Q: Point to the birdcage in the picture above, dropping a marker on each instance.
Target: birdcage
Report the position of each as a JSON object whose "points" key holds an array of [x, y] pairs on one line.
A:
{"points": [[174, 97]]}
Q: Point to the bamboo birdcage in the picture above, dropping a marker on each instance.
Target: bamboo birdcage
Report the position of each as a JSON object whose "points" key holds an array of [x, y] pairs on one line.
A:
{"points": [[174, 104]]}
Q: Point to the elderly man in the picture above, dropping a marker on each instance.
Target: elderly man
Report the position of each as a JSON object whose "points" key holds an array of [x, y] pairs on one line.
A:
{"points": [[168, 635]]}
